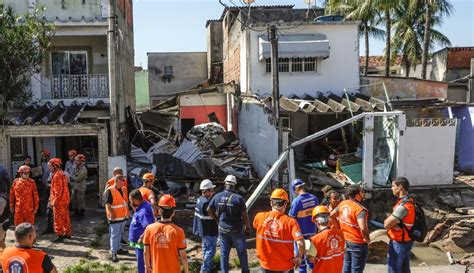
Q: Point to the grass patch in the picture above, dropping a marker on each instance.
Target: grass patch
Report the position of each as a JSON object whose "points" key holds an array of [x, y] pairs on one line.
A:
{"points": [[254, 264], [91, 267], [235, 263], [195, 265]]}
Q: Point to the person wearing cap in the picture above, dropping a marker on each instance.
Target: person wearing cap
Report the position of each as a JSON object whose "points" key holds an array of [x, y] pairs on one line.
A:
{"points": [[353, 217], [115, 172], [59, 200], [165, 242], [70, 164], [116, 210], [327, 246], [24, 200], [146, 189], [205, 226], [78, 183], [142, 217], [277, 235], [229, 210], [301, 209]]}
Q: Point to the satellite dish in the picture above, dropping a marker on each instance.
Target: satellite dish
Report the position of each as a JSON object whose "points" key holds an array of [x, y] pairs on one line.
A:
{"points": [[310, 2], [248, 2]]}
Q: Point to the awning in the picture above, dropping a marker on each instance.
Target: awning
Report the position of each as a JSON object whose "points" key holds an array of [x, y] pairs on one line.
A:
{"points": [[296, 45]]}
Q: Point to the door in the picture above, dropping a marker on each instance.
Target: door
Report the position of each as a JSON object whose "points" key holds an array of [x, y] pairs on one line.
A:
{"points": [[69, 74]]}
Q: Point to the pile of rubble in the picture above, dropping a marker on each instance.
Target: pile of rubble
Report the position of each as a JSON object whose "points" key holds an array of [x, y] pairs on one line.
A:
{"points": [[207, 151]]}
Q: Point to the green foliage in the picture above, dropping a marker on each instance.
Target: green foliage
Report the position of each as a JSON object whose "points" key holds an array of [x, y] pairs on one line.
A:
{"points": [[217, 262], [235, 263], [195, 265], [90, 267], [23, 41]]}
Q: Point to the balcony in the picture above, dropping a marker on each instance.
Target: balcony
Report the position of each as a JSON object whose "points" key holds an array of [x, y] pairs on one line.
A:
{"points": [[95, 86]]}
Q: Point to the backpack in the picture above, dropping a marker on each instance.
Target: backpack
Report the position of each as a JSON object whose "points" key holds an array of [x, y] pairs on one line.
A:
{"points": [[419, 230]]}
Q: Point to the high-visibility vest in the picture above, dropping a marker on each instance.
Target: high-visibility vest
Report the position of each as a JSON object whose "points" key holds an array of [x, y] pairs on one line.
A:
{"points": [[347, 212], [400, 234], [119, 205], [329, 245], [16, 259]]}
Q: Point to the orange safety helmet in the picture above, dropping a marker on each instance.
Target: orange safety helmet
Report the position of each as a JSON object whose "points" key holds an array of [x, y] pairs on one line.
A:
{"points": [[318, 210], [280, 194], [148, 176], [80, 157], [167, 200], [72, 153], [55, 162], [46, 152], [24, 169]]}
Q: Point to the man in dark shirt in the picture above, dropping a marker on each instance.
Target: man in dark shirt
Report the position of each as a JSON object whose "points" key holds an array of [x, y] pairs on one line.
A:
{"points": [[229, 210], [116, 207], [22, 257], [204, 226]]}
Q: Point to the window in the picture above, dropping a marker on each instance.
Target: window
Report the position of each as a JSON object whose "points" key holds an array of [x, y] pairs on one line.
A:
{"points": [[18, 147], [310, 64], [268, 65], [69, 63], [168, 70], [285, 122], [284, 64], [296, 65]]}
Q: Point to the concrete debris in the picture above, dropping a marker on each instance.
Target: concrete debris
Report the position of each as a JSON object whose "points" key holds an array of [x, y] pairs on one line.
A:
{"points": [[462, 232], [207, 151]]}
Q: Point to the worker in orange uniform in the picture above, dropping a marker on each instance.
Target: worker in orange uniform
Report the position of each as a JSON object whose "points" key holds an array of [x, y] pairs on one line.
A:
{"points": [[24, 199], [146, 190], [276, 236], [327, 246], [399, 225], [118, 171], [22, 257], [353, 222], [59, 199], [165, 242]]}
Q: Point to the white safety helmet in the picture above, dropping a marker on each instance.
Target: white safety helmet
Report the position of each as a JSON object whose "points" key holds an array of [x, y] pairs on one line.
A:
{"points": [[230, 179], [206, 184]]}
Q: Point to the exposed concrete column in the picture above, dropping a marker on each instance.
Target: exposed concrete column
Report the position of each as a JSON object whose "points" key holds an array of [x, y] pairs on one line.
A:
{"points": [[112, 79], [103, 155], [4, 150]]}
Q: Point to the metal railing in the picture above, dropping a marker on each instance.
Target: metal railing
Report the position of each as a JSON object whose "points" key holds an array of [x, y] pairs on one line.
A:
{"points": [[75, 86]]}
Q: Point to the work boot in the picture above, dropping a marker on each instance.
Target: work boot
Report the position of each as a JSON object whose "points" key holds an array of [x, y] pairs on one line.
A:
{"points": [[114, 258], [59, 239]]}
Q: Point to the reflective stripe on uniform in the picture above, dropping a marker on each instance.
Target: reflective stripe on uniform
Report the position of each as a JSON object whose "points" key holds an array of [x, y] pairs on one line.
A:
{"points": [[343, 220], [330, 256], [275, 240], [304, 213], [119, 206], [203, 217]]}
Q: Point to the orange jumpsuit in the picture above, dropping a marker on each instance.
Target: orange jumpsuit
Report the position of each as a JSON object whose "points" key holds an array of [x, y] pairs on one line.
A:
{"points": [[59, 200], [24, 200]]}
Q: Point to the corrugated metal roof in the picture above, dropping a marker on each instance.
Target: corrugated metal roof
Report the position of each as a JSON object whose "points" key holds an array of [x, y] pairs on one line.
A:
{"points": [[331, 103], [46, 114]]}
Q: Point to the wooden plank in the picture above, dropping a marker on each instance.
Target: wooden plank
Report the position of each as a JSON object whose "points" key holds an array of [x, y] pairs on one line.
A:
{"points": [[466, 210]]}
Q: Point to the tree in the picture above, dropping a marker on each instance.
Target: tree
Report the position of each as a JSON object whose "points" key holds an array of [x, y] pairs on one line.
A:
{"points": [[409, 22], [23, 41], [432, 8], [364, 11]]}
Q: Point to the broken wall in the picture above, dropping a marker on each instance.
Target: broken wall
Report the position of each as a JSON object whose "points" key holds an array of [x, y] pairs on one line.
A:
{"points": [[403, 88], [258, 135]]}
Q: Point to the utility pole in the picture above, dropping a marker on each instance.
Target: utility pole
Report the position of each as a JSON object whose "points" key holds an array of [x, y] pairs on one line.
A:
{"points": [[112, 78], [275, 87]]}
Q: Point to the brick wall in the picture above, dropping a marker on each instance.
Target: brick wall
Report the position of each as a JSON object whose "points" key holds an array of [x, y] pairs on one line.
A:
{"points": [[99, 130]]}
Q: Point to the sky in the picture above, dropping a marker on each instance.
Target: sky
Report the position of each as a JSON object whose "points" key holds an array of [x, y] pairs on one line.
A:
{"points": [[180, 25]]}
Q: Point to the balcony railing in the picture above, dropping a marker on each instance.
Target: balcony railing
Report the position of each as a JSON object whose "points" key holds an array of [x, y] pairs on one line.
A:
{"points": [[75, 86]]}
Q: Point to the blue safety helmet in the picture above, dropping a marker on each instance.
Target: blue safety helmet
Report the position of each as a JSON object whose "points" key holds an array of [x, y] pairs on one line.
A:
{"points": [[296, 183]]}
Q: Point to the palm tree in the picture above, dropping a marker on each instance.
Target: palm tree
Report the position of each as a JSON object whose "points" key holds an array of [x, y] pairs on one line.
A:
{"points": [[409, 30], [432, 8], [362, 10], [387, 7]]}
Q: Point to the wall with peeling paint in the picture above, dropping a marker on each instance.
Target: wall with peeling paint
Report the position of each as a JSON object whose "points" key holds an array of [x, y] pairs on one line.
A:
{"points": [[404, 88]]}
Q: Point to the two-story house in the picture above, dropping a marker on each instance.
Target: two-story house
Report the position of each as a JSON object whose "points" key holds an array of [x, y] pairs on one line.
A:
{"points": [[318, 57], [81, 96]]}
